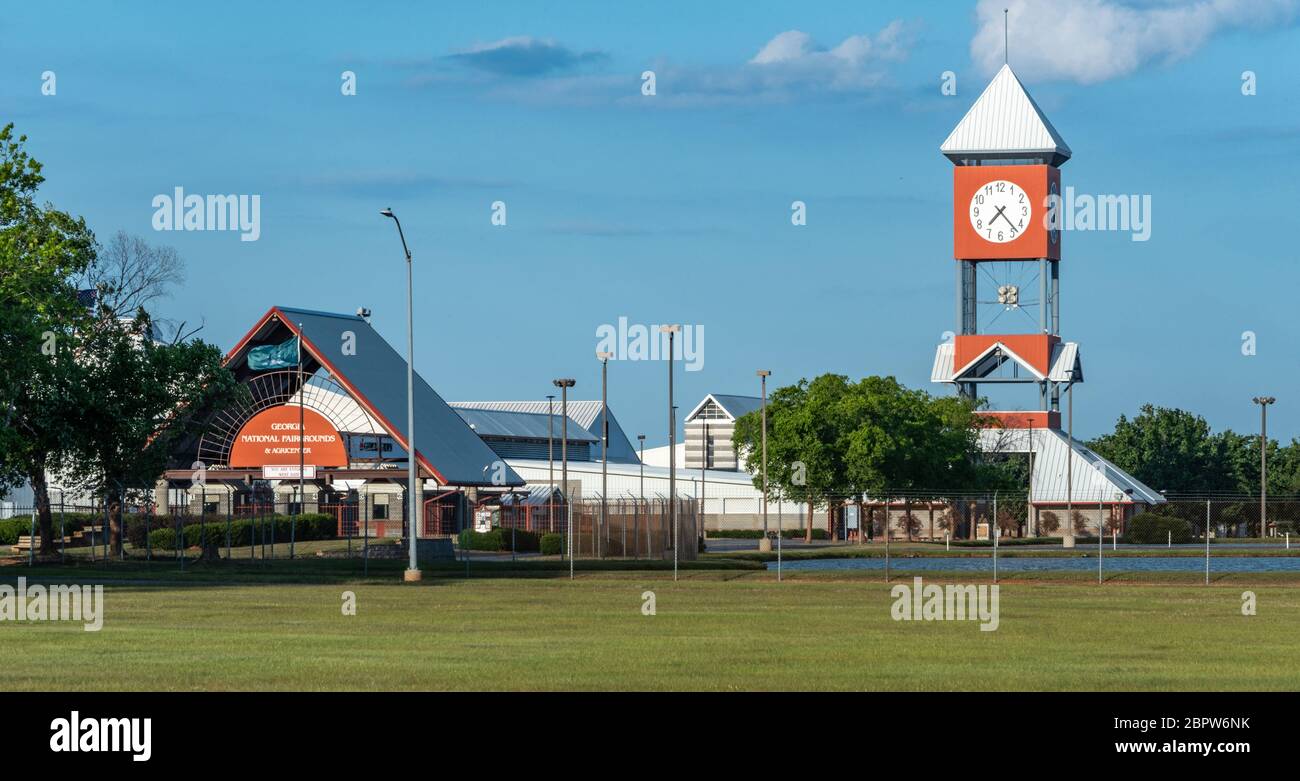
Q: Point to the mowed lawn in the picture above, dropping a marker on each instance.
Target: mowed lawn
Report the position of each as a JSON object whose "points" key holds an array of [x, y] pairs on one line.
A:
{"points": [[712, 631]]}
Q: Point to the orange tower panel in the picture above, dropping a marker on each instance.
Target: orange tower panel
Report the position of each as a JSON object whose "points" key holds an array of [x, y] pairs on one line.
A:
{"points": [[1000, 212]]}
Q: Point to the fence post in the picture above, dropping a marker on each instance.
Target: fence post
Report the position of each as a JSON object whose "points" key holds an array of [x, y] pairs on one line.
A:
{"points": [[365, 541], [229, 508], [886, 503], [180, 538], [1207, 542], [203, 521], [996, 534], [31, 540], [63, 534], [148, 532]]}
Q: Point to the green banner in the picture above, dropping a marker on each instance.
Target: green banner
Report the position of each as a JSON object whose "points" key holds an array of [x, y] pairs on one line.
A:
{"points": [[274, 356]]}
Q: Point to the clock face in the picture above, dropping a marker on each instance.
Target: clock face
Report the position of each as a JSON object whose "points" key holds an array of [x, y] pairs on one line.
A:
{"points": [[1000, 211]]}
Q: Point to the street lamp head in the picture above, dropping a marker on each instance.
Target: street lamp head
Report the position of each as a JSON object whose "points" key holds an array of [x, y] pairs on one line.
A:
{"points": [[604, 357], [564, 383], [641, 437], [763, 373], [388, 213], [1264, 400], [670, 329]]}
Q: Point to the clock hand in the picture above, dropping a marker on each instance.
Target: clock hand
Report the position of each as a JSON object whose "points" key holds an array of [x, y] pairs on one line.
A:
{"points": [[1003, 216]]}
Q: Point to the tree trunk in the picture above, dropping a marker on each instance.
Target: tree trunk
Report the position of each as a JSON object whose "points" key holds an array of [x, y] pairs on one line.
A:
{"points": [[907, 516], [41, 497], [862, 526], [931, 505], [807, 532], [115, 529]]}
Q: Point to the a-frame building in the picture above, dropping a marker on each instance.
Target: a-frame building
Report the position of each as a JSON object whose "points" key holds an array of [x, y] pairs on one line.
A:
{"points": [[339, 378]]}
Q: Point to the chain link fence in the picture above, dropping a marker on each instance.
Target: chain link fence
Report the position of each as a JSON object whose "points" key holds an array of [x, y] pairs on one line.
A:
{"points": [[365, 529]]}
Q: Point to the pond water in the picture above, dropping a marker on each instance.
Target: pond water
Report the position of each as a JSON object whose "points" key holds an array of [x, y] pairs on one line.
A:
{"points": [[1109, 563]]}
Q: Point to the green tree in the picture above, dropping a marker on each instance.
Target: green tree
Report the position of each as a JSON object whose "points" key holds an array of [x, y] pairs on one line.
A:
{"points": [[804, 444], [42, 250], [831, 439], [1169, 449], [141, 394]]}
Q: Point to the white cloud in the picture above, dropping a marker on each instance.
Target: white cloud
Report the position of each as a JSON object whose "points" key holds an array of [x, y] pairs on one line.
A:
{"points": [[1089, 41], [789, 67], [794, 58]]}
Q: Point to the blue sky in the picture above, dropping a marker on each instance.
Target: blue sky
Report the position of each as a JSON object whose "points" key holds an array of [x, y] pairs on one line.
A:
{"points": [[676, 207]]}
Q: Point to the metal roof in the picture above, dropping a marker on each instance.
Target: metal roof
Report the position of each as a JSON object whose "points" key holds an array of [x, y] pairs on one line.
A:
{"points": [[735, 406], [375, 375], [585, 413], [1091, 479], [1005, 121], [942, 369], [519, 425], [539, 495], [1065, 363]]}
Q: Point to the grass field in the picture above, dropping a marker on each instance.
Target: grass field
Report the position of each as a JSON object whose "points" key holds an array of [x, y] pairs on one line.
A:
{"points": [[231, 626]]}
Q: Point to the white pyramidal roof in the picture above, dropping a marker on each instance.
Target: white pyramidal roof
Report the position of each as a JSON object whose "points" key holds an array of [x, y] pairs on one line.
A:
{"points": [[1005, 120], [1090, 478]]}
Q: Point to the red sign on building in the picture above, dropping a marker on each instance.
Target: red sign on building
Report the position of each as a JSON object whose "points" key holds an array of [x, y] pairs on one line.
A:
{"points": [[272, 437]]}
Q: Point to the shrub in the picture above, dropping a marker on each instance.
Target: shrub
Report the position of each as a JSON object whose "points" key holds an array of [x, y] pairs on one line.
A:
{"points": [[473, 540], [754, 534], [500, 540], [523, 541], [243, 532], [552, 544], [13, 528], [1151, 528]]}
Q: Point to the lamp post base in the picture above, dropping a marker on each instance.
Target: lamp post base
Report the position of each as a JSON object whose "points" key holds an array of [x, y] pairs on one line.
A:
{"points": [[411, 576]]}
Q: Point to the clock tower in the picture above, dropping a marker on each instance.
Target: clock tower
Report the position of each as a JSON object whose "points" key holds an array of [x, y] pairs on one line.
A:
{"points": [[1007, 162]]}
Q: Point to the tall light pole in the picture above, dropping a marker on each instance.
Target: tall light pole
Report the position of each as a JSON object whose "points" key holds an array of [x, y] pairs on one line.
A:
{"points": [[564, 385], [604, 444], [765, 544], [302, 495], [641, 439], [1067, 539], [412, 573], [550, 458], [1263, 402], [672, 331]]}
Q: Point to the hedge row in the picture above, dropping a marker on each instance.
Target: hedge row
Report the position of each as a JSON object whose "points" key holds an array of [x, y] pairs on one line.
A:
{"points": [[754, 534], [314, 526], [500, 540], [1152, 528], [13, 528]]}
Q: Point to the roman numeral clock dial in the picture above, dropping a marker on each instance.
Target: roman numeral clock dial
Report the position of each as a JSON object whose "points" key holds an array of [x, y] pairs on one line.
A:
{"points": [[1000, 211]]}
